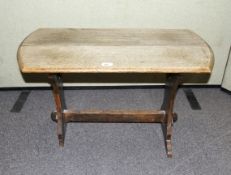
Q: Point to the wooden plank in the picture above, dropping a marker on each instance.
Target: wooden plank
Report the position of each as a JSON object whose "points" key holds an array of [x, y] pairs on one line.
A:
{"points": [[145, 116], [114, 50]]}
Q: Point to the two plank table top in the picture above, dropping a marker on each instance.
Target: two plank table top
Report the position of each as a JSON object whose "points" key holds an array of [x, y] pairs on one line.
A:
{"points": [[66, 50], [114, 50]]}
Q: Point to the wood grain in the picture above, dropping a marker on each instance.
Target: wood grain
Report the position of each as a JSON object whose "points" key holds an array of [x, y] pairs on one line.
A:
{"points": [[66, 50], [144, 116], [56, 83]]}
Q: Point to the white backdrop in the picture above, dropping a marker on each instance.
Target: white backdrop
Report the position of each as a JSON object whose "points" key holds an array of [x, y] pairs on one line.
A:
{"points": [[210, 19]]}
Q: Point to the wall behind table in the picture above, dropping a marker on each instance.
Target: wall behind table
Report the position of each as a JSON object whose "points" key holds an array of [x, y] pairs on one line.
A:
{"points": [[210, 19]]}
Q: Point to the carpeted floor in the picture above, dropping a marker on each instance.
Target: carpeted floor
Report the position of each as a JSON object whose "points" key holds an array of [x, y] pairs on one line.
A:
{"points": [[201, 138]]}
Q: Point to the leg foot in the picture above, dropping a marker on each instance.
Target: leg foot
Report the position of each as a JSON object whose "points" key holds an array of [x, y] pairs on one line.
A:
{"points": [[60, 129], [169, 148], [61, 140]]}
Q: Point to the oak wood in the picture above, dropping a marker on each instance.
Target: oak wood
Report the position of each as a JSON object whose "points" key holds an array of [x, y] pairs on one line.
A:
{"points": [[53, 50], [57, 89], [118, 116], [65, 50], [150, 116], [165, 116], [173, 81]]}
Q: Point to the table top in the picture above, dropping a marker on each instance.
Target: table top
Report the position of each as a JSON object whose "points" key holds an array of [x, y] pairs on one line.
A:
{"points": [[69, 50]]}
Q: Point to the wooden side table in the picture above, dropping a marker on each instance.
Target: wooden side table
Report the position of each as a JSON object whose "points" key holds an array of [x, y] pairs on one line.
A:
{"points": [[56, 51]]}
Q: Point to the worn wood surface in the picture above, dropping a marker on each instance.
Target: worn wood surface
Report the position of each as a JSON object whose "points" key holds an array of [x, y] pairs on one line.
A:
{"points": [[110, 116], [166, 115], [58, 51], [114, 50], [118, 116], [173, 81], [57, 89]]}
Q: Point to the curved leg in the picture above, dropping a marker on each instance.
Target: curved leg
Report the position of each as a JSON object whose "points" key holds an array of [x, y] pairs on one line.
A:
{"points": [[173, 82], [56, 83]]}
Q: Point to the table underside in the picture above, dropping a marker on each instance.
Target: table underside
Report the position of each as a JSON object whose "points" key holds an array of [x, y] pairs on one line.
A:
{"points": [[165, 115]]}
